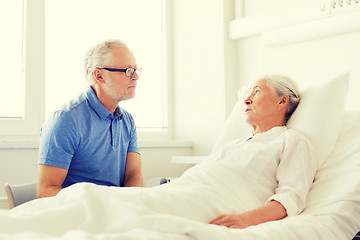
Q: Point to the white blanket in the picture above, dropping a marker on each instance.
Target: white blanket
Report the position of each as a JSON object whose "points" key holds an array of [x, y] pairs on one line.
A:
{"points": [[181, 210], [177, 210]]}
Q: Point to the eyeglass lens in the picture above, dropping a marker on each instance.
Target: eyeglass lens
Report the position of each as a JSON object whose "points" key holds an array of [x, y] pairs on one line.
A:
{"points": [[130, 71]]}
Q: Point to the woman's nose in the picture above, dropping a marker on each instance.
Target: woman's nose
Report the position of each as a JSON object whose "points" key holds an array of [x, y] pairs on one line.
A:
{"points": [[248, 101]]}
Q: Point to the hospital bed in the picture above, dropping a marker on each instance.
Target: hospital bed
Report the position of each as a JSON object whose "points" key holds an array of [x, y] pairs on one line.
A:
{"points": [[333, 204]]}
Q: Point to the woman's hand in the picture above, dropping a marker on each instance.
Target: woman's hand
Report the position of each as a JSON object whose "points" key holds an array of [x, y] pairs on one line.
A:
{"points": [[233, 221], [269, 212]]}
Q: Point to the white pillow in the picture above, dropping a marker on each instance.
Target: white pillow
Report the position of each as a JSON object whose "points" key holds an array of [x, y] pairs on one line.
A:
{"points": [[320, 113], [318, 116]]}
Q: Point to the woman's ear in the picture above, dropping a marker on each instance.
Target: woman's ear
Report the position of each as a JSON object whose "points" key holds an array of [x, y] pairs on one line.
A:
{"points": [[284, 100]]}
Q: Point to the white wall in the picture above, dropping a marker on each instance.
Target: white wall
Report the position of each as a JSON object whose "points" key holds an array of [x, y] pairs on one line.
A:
{"points": [[308, 62], [201, 50]]}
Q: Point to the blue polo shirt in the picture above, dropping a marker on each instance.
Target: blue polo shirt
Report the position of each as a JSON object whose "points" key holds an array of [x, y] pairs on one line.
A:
{"points": [[88, 140]]}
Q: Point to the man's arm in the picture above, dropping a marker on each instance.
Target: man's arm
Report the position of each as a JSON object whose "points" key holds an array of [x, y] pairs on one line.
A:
{"points": [[269, 212], [133, 175], [50, 180]]}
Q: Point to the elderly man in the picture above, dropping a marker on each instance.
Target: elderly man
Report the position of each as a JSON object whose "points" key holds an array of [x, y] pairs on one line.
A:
{"points": [[92, 139]]}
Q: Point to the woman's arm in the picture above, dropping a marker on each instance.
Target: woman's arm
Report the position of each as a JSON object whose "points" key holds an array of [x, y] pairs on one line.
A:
{"points": [[271, 211]]}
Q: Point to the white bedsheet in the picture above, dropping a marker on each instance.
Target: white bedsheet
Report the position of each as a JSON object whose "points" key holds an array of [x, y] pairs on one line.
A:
{"points": [[177, 211], [181, 207]]}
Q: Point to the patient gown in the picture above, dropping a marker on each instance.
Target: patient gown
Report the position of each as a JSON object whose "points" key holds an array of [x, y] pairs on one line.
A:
{"points": [[245, 174]]}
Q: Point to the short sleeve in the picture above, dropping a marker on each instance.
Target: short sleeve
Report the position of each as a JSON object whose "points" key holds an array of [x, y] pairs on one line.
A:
{"points": [[58, 140], [133, 143], [295, 173]]}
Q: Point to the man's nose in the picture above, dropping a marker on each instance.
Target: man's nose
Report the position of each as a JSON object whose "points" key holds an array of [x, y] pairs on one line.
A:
{"points": [[135, 76]]}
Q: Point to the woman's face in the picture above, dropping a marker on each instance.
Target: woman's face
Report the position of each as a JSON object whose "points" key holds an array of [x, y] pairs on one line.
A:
{"points": [[261, 104]]}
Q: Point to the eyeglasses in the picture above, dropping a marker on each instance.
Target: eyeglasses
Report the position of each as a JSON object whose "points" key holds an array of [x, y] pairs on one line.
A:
{"points": [[129, 72]]}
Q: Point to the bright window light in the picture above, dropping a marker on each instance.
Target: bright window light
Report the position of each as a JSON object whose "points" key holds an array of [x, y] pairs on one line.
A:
{"points": [[12, 90], [74, 26]]}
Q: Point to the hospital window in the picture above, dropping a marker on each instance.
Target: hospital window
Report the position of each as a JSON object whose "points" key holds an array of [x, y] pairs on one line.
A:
{"points": [[12, 90], [73, 26]]}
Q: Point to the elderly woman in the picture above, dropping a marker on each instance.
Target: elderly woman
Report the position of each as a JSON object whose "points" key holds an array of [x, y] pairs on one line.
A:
{"points": [[278, 161], [261, 178]]}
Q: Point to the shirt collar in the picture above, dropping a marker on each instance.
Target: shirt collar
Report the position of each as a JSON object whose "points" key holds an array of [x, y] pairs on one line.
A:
{"points": [[273, 131], [97, 106]]}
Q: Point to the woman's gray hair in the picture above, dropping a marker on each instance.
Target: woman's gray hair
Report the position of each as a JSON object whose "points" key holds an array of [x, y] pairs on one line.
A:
{"points": [[99, 56], [284, 86]]}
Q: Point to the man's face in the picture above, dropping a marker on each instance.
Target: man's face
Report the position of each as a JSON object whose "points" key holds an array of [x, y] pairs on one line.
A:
{"points": [[117, 85]]}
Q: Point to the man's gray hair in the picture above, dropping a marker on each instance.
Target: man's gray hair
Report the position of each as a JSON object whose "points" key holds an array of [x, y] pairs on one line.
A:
{"points": [[284, 86], [99, 56]]}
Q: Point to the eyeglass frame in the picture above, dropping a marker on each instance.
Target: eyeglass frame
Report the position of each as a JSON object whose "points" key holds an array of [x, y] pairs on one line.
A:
{"points": [[124, 70]]}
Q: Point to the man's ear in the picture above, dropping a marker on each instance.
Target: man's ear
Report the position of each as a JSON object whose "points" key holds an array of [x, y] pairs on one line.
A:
{"points": [[98, 76]]}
